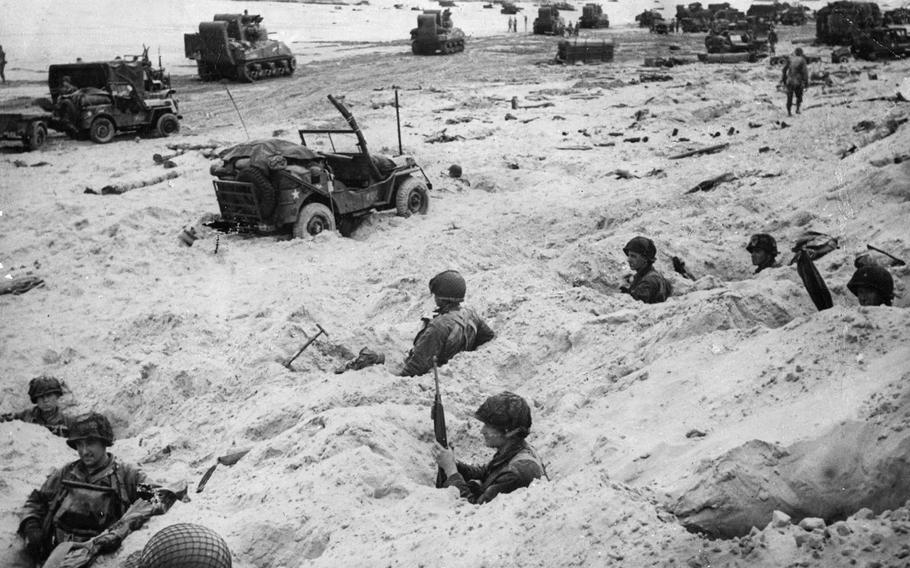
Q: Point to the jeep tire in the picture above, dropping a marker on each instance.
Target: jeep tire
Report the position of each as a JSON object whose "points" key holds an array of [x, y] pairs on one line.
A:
{"points": [[412, 197], [167, 125], [312, 220], [102, 130], [35, 135]]}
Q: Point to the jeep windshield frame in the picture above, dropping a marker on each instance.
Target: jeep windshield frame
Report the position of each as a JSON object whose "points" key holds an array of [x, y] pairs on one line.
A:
{"points": [[326, 134]]}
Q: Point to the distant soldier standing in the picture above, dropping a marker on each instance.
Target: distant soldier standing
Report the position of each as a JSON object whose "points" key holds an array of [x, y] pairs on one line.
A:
{"points": [[44, 392], [772, 39], [506, 421], [451, 330], [763, 249], [647, 284], [872, 285], [795, 78], [2, 64]]}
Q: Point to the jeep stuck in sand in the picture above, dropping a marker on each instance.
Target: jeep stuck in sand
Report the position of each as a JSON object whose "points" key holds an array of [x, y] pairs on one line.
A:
{"points": [[272, 186]]}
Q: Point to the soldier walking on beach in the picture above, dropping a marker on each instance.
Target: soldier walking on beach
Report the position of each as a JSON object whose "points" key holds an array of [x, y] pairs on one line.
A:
{"points": [[647, 284], [763, 249], [44, 392], [83, 498], [452, 329], [795, 78], [506, 421], [772, 39]]}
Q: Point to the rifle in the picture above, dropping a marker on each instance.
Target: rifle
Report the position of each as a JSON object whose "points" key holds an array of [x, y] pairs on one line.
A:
{"points": [[438, 415]]}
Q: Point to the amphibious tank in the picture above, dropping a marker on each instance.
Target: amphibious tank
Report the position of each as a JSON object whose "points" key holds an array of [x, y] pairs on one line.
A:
{"points": [[436, 34], [237, 46]]}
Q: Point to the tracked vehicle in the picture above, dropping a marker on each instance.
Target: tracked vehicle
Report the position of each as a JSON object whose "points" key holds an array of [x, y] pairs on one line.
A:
{"points": [[435, 33], [236, 46], [592, 16]]}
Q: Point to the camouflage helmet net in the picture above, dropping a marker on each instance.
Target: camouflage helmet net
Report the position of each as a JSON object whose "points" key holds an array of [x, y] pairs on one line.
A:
{"points": [[42, 385], [185, 545], [762, 241], [90, 426], [873, 276], [506, 411], [643, 246], [448, 285]]}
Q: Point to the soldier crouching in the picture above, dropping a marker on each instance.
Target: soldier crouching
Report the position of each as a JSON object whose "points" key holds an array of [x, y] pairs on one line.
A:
{"points": [[44, 392], [506, 421], [83, 498], [452, 329]]}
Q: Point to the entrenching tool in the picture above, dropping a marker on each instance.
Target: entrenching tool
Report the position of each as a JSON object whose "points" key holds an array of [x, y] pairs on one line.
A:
{"points": [[305, 345], [229, 459], [896, 261]]}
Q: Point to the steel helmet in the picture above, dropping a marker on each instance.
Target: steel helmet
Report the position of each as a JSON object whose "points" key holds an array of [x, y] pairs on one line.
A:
{"points": [[875, 277], [643, 246], [448, 285], [506, 411], [185, 545], [90, 426], [42, 385], [762, 241]]}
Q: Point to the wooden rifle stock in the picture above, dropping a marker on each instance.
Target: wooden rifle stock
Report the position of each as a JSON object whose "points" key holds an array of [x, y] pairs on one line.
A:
{"points": [[438, 415]]}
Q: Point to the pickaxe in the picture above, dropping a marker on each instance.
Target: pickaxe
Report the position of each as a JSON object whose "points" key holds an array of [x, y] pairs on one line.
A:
{"points": [[305, 345], [896, 261]]}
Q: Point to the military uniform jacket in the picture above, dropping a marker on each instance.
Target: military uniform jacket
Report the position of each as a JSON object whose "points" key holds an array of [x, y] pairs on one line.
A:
{"points": [[58, 423], [513, 467], [650, 287], [456, 330], [796, 72], [45, 504]]}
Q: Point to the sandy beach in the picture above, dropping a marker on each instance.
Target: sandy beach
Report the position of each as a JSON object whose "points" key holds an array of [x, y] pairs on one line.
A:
{"points": [[643, 414]]}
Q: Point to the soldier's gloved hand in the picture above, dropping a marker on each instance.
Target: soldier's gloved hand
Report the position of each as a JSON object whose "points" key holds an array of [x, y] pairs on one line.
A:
{"points": [[34, 539], [106, 542]]}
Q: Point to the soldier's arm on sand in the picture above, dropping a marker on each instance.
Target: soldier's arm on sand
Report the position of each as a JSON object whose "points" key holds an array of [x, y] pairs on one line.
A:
{"points": [[484, 333], [428, 345]]}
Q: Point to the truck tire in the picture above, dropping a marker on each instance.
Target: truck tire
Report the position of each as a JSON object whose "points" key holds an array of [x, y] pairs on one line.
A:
{"points": [[35, 135], [102, 130], [312, 220], [265, 191], [167, 124], [412, 197]]}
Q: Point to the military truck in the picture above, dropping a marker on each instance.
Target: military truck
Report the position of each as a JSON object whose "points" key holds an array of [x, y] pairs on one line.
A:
{"points": [[436, 34], [237, 46], [838, 22], [271, 186], [881, 43], [548, 22], [592, 16], [793, 16], [97, 100]]}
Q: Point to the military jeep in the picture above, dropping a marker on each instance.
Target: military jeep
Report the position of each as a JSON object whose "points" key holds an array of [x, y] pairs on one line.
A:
{"points": [[273, 186], [96, 100], [881, 43]]}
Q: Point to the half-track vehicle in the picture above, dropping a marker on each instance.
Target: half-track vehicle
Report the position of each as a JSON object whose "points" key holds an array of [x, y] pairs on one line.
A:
{"points": [[237, 46], [838, 22], [592, 17], [548, 22], [435, 33], [98, 100], [271, 186], [881, 43]]}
